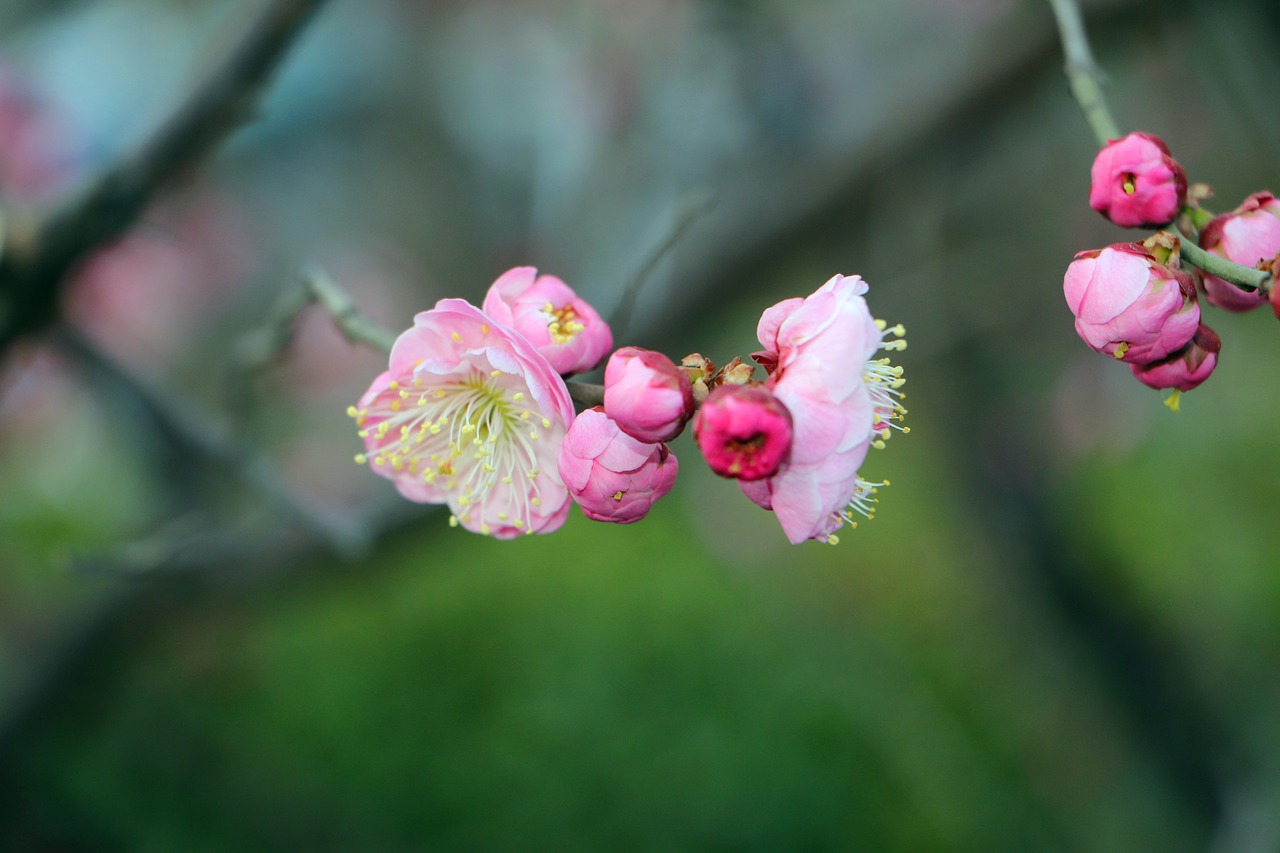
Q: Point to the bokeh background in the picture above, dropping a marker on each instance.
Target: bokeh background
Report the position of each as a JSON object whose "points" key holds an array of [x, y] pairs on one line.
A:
{"points": [[1061, 632]]}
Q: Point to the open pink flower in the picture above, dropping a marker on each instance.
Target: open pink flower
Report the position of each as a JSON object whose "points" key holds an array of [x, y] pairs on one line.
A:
{"points": [[743, 431], [1130, 306], [611, 475], [819, 353], [562, 327], [647, 395], [1136, 183], [469, 414], [1246, 235]]}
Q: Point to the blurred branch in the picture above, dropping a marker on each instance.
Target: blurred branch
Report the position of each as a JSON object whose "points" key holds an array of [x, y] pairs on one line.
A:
{"points": [[201, 432], [686, 212], [1082, 71], [38, 256]]}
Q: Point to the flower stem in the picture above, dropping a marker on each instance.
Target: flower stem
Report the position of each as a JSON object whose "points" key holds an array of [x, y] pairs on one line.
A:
{"points": [[1245, 278], [1082, 72]]}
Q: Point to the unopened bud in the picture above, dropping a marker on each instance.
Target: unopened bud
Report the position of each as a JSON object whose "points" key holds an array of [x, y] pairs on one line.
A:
{"points": [[744, 432]]}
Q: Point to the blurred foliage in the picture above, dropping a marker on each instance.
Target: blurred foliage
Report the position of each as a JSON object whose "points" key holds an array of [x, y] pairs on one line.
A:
{"points": [[1059, 633]]}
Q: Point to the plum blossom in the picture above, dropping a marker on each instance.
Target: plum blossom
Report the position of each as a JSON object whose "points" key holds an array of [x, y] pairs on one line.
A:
{"points": [[1129, 305], [647, 395], [819, 354], [611, 475], [1136, 183], [743, 431], [469, 414], [562, 327], [1246, 235]]}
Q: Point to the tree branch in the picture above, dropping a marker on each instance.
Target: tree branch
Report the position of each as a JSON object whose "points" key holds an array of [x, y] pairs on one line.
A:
{"points": [[201, 432], [38, 256], [1082, 72]]}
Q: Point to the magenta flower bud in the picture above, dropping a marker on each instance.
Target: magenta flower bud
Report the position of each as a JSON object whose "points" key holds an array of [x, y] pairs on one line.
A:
{"points": [[1129, 305], [1246, 235], [647, 395], [1187, 367], [562, 327], [744, 432], [1136, 184], [611, 475]]}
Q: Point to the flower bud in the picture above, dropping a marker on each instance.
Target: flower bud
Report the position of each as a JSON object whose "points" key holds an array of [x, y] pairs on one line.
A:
{"points": [[1187, 367], [1129, 305], [562, 327], [647, 395], [1247, 235], [744, 432], [700, 370], [611, 475], [736, 372], [1136, 183]]}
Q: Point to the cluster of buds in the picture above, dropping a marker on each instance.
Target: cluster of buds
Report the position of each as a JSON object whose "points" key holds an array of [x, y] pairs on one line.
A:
{"points": [[1139, 302], [474, 411]]}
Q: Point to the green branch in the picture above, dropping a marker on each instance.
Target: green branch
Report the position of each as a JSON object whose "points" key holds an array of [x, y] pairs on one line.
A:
{"points": [[1082, 72]]}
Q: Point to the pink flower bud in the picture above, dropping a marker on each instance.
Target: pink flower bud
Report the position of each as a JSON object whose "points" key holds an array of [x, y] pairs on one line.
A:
{"points": [[612, 476], [647, 395], [1187, 367], [1246, 235], [744, 431], [1136, 184], [1129, 305], [563, 328]]}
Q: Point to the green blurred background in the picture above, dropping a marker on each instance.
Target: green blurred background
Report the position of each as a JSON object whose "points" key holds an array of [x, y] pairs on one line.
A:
{"points": [[1061, 632]]}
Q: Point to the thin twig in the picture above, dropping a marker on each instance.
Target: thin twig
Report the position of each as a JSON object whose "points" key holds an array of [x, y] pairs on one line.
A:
{"points": [[686, 212], [1246, 278], [1082, 72], [586, 395], [205, 434], [38, 256], [357, 328]]}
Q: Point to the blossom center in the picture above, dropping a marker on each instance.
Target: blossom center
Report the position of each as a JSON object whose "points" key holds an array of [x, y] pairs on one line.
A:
{"points": [[743, 451], [470, 436], [562, 323]]}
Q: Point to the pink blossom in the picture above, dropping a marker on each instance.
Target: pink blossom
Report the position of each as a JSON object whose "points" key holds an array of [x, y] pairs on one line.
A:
{"points": [[35, 160], [647, 395], [1186, 368], [562, 327], [744, 432], [1246, 235], [469, 414], [1129, 305], [1136, 183], [150, 293], [611, 475], [819, 351]]}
